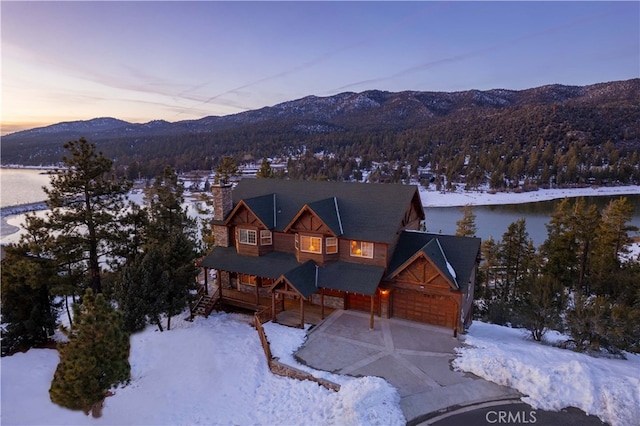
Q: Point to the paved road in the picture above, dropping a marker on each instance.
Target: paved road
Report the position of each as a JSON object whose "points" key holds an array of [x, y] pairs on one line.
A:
{"points": [[514, 414]]}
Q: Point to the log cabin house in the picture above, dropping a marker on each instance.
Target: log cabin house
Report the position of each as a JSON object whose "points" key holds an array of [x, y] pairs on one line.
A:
{"points": [[335, 245]]}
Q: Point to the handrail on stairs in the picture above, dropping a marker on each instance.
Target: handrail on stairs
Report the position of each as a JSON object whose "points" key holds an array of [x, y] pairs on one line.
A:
{"points": [[215, 297]]}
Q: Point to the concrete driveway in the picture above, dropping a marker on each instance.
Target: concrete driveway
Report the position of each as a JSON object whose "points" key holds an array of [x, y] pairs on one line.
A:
{"points": [[415, 358]]}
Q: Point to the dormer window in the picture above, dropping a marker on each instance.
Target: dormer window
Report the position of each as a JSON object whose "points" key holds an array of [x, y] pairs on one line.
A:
{"points": [[332, 245], [362, 249], [266, 238], [310, 244], [247, 236]]}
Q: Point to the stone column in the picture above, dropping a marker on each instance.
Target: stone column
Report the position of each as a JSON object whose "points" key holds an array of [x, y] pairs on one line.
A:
{"points": [[222, 205]]}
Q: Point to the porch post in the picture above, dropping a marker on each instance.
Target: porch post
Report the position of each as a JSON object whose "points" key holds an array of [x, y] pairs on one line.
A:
{"points": [[301, 312], [273, 306], [258, 282], [371, 316], [206, 280]]}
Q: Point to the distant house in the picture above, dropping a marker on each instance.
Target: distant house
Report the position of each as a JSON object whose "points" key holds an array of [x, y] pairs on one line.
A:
{"points": [[340, 246]]}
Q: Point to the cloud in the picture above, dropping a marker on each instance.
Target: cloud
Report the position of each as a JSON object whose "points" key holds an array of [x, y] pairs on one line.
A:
{"points": [[476, 53], [384, 33]]}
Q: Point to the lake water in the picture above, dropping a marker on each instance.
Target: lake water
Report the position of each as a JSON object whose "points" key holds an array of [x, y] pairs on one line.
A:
{"points": [[493, 221], [20, 186]]}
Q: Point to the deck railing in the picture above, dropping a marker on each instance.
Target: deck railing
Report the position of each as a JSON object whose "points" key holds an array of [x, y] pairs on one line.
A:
{"points": [[263, 337], [275, 365], [212, 302]]}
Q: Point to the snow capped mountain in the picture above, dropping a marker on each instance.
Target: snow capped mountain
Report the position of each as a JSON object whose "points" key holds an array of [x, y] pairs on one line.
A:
{"points": [[368, 112], [354, 110], [90, 126]]}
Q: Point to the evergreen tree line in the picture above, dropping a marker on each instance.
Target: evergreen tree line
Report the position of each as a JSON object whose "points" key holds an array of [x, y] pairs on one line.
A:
{"points": [[500, 161], [581, 280], [522, 147], [112, 265]]}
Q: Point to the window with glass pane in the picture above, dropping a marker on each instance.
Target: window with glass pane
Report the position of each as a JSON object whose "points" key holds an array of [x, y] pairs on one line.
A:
{"points": [[247, 236], [310, 244], [248, 279], [265, 238], [332, 245], [362, 249]]}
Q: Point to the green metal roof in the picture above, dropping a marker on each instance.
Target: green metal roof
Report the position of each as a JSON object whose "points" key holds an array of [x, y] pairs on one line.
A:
{"points": [[433, 250], [270, 265], [460, 252], [351, 277], [345, 276], [368, 212], [264, 207], [327, 211], [303, 278]]}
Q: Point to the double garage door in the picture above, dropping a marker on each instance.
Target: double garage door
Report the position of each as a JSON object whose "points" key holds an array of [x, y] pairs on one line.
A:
{"points": [[427, 308]]}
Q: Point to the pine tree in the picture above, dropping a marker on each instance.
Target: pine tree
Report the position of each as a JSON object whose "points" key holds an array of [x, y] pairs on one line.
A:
{"points": [[585, 223], [516, 254], [94, 360], [87, 202], [611, 242], [560, 246], [226, 170], [466, 227], [160, 280], [265, 169], [140, 289], [540, 305], [28, 312]]}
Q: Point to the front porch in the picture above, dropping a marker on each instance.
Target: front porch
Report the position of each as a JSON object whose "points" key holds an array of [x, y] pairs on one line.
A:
{"points": [[287, 310], [290, 316]]}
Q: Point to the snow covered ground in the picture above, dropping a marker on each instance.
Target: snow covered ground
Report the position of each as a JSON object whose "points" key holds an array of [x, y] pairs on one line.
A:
{"points": [[213, 371], [209, 372], [432, 198], [554, 378]]}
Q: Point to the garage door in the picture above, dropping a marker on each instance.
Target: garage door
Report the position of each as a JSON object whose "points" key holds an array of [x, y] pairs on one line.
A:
{"points": [[361, 302], [427, 308]]}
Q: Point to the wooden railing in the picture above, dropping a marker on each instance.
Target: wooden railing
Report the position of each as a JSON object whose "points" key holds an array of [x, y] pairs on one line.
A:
{"points": [[263, 338], [248, 299], [263, 315], [215, 297], [199, 297], [275, 365]]}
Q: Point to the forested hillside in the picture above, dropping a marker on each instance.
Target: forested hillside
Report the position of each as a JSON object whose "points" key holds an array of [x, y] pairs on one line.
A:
{"points": [[564, 135]]}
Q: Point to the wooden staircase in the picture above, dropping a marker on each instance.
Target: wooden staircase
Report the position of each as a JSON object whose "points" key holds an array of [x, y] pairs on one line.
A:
{"points": [[205, 303]]}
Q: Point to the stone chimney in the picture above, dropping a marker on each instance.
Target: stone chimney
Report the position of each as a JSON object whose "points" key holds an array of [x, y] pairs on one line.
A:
{"points": [[222, 205], [222, 202]]}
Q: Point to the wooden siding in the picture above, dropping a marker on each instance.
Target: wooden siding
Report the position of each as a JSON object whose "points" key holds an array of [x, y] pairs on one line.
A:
{"points": [[247, 249], [423, 272], [436, 309], [411, 219], [244, 216], [284, 242], [379, 254], [421, 293], [362, 302], [308, 222]]}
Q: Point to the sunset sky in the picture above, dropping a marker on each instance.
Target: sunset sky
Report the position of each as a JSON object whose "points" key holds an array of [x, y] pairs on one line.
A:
{"points": [[140, 61]]}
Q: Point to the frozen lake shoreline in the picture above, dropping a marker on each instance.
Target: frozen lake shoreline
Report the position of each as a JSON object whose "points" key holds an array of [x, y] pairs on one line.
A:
{"points": [[430, 198]]}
